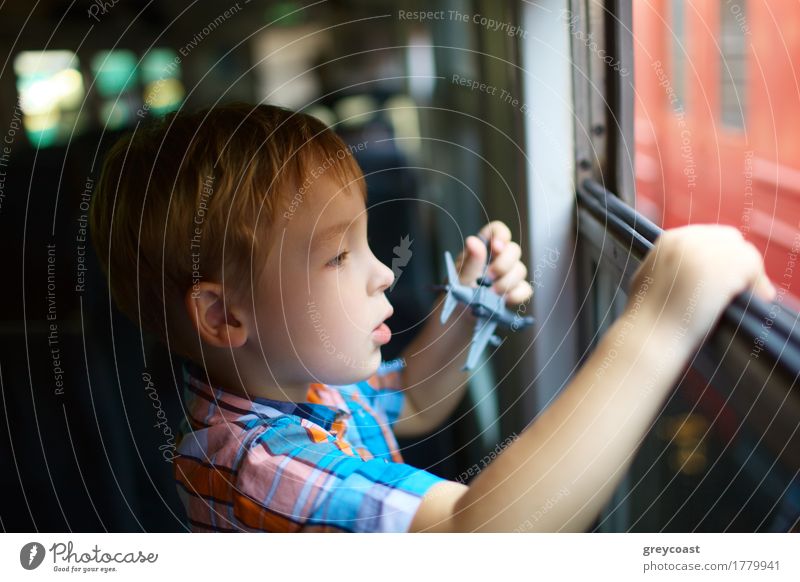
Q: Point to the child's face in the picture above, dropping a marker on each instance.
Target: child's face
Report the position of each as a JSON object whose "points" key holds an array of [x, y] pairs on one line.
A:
{"points": [[321, 295]]}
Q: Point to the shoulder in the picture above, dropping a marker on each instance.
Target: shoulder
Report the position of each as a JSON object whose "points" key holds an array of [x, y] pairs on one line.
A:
{"points": [[238, 447]]}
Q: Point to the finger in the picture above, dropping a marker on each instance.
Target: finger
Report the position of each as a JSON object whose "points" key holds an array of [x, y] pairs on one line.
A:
{"points": [[505, 261], [511, 279], [765, 289], [498, 233], [472, 261], [758, 279], [519, 294]]}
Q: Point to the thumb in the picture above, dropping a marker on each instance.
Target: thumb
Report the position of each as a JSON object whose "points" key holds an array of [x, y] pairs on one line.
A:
{"points": [[472, 262]]}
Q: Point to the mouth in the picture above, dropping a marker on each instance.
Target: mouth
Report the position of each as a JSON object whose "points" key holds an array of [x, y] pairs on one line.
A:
{"points": [[382, 334]]}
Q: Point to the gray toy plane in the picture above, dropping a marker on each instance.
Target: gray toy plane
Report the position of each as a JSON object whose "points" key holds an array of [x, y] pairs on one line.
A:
{"points": [[486, 305]]}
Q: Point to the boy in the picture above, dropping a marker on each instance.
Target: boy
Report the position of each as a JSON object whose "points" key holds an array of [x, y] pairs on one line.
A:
{"points": [[245, 228]]}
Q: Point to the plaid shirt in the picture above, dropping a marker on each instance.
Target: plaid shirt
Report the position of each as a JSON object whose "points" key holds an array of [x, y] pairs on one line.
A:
{"points": [[329, 464]]}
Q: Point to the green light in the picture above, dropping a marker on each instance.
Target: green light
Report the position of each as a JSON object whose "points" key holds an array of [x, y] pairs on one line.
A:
{"points": [[158, 64], [114, 72]]}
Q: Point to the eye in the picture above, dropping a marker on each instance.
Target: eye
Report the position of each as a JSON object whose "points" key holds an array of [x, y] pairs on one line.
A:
{"points": [[338, 260]]}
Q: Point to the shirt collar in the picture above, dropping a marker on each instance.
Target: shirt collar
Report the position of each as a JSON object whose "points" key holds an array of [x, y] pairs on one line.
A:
{"points": [[195, 379]]}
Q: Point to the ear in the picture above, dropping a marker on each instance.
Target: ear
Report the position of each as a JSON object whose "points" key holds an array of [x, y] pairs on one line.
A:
{"points": [[217, 324]]}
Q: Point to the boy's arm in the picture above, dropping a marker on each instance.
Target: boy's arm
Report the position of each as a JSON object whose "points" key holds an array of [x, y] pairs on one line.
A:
{"points": [[432, 379], [562, 470]]}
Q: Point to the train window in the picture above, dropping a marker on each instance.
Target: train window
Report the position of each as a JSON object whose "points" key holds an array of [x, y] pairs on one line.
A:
{"points": [[728, 432], [703, 162]]}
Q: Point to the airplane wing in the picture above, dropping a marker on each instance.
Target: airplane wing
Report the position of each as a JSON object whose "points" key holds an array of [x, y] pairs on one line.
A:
{"points": [[450, 302], [452, 274], [480, 337]]}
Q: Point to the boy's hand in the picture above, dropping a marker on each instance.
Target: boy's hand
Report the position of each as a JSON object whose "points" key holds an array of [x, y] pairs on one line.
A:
{"points": [[691, 275], [506, 270]]}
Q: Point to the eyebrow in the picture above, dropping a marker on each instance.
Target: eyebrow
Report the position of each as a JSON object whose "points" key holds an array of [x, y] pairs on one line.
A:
{"points": [[331, 232]]}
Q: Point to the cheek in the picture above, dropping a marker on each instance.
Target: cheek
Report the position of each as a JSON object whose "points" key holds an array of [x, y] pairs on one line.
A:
{"points": [[332, 312], [350, 307], [332, 302], [337, 294], [283, 309], [338, 319]]}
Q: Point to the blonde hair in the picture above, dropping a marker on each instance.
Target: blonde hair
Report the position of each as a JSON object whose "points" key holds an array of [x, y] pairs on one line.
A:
{"points": [[182, 197]]}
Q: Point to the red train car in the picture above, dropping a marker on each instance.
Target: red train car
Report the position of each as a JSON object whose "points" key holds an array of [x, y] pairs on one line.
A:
{"points": [[717, 110]]}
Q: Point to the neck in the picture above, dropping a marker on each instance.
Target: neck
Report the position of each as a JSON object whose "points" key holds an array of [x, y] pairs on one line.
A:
{"points": [[244, 382]]}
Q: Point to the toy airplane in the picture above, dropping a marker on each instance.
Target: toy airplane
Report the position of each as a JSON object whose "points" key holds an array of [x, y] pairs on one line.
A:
{"points": [[486, 305]]}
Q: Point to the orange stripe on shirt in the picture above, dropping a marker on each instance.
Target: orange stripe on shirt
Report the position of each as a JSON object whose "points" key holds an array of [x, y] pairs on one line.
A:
{"points": [[205, 481], [256, 516]]}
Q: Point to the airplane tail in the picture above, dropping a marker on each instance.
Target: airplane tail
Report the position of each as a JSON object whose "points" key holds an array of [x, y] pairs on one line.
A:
{"points": [[450, 302]]}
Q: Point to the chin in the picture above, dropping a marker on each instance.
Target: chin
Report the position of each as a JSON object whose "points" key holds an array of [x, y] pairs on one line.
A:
{"points": [[351, 370]]}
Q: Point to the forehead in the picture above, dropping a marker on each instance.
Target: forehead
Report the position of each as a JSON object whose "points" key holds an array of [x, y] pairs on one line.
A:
{"points": [[328, 210]]}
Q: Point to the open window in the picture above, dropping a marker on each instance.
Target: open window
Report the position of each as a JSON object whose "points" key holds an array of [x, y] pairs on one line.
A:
{"points": [[653, 91]]}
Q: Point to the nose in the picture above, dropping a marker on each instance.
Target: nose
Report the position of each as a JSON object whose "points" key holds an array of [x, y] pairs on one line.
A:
{"points": [[382, 277]]}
